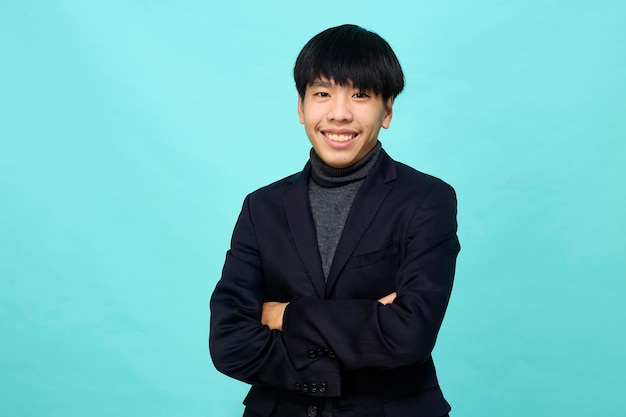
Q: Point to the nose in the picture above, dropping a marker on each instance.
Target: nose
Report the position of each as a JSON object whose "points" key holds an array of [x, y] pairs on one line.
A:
{"points": [[340, 109]]}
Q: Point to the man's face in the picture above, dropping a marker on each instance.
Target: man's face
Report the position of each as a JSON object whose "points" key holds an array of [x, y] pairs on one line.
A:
{"points": [[342, 122]]}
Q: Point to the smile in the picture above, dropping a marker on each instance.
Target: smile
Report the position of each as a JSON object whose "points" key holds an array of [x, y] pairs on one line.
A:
{"points": [[336, 137]]}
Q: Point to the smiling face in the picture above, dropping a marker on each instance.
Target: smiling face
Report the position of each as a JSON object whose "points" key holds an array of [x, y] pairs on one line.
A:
{"points": [[342, 121]]}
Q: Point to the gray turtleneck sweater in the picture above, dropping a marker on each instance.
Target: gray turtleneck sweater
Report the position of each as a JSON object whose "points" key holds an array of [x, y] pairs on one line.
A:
{"points": [[331, 192]]}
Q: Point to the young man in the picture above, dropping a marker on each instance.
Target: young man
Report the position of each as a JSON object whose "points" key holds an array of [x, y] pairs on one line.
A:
{"points": [[339, 276]]}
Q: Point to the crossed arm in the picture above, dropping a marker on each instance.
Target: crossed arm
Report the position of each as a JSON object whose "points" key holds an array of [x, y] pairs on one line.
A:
{"points": [[248, 340], [273, 311]]}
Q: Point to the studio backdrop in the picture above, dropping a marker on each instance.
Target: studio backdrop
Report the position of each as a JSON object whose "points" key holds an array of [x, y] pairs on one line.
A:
{"points": [[131, 131]]}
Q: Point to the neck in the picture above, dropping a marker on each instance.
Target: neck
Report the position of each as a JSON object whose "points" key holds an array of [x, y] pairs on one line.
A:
{"points": [[327, 176]]}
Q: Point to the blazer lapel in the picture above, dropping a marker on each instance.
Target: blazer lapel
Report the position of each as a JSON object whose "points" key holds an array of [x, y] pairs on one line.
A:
{"points": [[366, 203], [300, 220]]}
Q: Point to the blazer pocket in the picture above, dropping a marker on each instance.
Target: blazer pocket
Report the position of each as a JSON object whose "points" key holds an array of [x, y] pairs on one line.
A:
{"points": [[371, 258]]}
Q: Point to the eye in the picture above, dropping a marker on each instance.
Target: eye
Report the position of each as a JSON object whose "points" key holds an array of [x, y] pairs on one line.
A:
{"points": [[322, 94], [361, 94]]}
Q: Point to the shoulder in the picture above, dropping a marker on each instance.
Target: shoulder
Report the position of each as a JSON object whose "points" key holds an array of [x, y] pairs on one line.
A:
{"points": [[424, 198], [416, 183], [273, 194], [275, 188]]}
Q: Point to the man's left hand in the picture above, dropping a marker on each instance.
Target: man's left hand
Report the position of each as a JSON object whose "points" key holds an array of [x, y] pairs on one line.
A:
{"points": [[272, 315]]}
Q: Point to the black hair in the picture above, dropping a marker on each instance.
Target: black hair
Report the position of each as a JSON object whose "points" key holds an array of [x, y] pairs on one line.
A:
{"points": [[349, 53]]}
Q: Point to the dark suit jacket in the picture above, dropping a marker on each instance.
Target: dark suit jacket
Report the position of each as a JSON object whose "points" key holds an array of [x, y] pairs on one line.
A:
{"points": [[339, 347]]}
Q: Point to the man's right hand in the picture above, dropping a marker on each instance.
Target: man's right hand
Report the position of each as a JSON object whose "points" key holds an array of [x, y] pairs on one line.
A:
{"points": [[388, 299]]}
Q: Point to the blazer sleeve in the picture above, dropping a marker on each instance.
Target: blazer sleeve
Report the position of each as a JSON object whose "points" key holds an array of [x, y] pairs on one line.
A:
{"points": [[366, 334], [240, 346]]}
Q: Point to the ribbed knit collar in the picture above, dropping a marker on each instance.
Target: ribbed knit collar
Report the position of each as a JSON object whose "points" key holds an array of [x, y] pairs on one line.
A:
{"points": [[327, 176]]}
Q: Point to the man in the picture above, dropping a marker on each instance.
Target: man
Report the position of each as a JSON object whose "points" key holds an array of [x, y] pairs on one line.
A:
{"points": [[338, 277]]}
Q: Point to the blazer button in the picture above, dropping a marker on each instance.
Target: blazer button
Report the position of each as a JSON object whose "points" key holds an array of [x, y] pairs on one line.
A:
{"points": [[305, 387], [312, 354], [297, 387], [331, 353], [311, 411], [322, 387], [321, 352], [314, 387]]}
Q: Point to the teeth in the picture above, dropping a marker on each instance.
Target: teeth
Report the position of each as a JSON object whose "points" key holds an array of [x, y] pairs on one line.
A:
{"points": [[339, 138]]}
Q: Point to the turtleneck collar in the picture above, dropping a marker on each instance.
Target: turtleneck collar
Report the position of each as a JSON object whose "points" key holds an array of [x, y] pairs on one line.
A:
{"points": [[327, 176]]}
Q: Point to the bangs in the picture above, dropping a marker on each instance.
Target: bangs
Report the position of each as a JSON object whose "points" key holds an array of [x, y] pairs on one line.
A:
{"points": [[350, 54]]}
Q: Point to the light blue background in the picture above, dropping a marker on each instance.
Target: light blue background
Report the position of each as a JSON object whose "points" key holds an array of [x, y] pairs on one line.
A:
{"points": [[130, 132]]}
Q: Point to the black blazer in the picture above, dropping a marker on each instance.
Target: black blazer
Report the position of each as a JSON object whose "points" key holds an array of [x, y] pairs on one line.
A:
{"points": [[339, 347]]}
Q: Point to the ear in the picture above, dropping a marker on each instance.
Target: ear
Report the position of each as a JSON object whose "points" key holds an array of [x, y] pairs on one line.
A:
{"points": [[300, 109], [388, 113]]}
